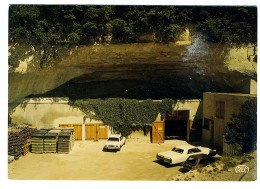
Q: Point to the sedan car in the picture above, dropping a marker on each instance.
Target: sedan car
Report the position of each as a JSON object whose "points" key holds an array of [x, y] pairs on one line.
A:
{"points": [[179, 154], [114, 142]]}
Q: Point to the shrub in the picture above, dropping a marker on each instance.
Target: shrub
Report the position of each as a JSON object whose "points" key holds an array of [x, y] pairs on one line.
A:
{"points": [[242, 129]]}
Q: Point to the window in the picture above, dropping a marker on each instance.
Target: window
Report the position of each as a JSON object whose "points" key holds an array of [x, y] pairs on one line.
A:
{"points": [[220, 109], [178, 150], [193, 150], [113, 139]]}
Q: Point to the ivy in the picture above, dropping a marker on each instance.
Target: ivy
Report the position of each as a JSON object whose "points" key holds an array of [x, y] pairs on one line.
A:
{"points": [[124, 115]]}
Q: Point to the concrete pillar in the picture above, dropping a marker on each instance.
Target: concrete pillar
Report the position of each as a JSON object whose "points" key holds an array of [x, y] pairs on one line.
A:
{"points": [[83, 130]]}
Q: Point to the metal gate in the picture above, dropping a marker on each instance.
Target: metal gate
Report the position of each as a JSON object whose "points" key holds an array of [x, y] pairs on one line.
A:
{"points": [[158, 132]]}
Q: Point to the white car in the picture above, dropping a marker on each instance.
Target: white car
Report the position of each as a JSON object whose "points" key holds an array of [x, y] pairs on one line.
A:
{"points": [[114, 142], [179, 154]]}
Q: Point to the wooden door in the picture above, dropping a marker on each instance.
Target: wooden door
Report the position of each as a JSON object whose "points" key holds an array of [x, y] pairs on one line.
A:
{"points": [[101, 131], [96, 131], [78, 131], [158, 132], [90, 131]]}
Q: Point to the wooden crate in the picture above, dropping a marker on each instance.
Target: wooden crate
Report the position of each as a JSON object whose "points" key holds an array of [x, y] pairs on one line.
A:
{"points": [[64, 142], [38, 141], [50, 142]]}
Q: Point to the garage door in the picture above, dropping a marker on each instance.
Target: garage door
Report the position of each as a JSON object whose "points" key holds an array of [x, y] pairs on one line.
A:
{"points": [[93, 131], [158, 132], [96, 131]]}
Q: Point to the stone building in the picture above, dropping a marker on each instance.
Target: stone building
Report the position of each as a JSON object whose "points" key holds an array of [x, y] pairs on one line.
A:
{"points": [[217, 111]]}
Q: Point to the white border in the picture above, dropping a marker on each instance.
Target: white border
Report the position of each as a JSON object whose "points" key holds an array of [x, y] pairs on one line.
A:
{"points": [[5, 183]]}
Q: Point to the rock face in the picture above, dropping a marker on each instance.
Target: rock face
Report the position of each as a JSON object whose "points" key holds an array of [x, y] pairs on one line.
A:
{"points": [[139, 70]]}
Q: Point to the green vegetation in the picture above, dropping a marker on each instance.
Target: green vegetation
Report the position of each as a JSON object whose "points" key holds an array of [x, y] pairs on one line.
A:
{"points": [[242, 129], [50, 32], [125, 115]]}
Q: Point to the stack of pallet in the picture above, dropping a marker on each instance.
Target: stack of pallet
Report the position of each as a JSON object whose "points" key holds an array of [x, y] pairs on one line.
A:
{"points": [[50, 142], [15, 142], [72, 137], [18, 139], [64, 142], [38, 141]]}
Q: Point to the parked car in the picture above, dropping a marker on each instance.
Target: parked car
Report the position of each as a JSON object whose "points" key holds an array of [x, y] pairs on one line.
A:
{"points": [[179, 154], [196, 161], [114, 142]]}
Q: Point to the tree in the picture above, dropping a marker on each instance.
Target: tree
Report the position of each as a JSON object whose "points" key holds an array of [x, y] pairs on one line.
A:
{"points": [[51, 31], [122, 31], [242, 129]]}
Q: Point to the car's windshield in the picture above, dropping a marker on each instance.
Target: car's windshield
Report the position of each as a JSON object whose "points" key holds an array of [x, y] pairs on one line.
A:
{"points": [[113, 139], [178, 150]]}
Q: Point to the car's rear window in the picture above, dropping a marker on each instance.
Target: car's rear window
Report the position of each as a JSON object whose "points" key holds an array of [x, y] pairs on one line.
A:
{"points": [[178, 150], [193, 150], [113, 139]]}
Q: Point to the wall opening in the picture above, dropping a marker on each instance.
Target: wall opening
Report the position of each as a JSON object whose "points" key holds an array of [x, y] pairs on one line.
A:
{"points": [[176, 124]]}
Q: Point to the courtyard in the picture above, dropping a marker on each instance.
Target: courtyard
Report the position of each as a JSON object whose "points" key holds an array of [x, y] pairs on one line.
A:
{"points": [[135, 162]]}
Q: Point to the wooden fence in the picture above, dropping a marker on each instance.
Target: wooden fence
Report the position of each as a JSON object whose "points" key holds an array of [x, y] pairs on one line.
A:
{"points": [[230, 149]]}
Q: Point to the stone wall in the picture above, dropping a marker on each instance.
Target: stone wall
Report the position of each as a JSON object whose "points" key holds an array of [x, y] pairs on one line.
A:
{"points": [[190, 65]]}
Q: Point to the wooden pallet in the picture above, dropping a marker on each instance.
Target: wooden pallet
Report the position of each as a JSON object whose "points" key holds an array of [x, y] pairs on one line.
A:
{"points": [[25, 149]]}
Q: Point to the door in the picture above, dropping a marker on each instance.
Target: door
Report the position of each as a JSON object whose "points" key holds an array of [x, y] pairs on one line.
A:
{"points": [[95, 131], [158, 132], [90, 131], [102, 132], [77, 129]]}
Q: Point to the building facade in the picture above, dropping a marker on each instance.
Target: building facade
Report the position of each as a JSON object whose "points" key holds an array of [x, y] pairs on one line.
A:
{"points": [[217, 111]]}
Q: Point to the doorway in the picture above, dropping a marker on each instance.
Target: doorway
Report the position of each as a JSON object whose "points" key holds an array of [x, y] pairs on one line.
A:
{"points": [[176, 125]]}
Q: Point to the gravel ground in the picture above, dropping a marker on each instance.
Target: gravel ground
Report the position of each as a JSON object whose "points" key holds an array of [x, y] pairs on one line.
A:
{"points": [[136, 161], [223, 170]]}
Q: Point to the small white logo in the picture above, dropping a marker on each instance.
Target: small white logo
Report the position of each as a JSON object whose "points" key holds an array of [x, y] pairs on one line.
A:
{"points": [[242, 169]]}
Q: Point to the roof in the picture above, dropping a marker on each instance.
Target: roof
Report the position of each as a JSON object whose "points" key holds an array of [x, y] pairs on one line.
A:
{"points": [[185, 146], [233, 94], [115, 135]]}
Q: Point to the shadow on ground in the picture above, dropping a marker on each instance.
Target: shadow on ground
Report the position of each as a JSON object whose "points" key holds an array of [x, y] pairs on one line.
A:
{"points": [[166, 164], [110, 150], [182, 170]]}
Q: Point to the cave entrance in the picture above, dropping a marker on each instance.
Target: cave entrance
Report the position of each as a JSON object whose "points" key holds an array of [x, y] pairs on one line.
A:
{"points": [[177, 125]]}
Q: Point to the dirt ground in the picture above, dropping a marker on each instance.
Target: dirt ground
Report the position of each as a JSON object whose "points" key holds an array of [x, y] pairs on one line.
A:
{"points": [[222, 170], [136, 161]]}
